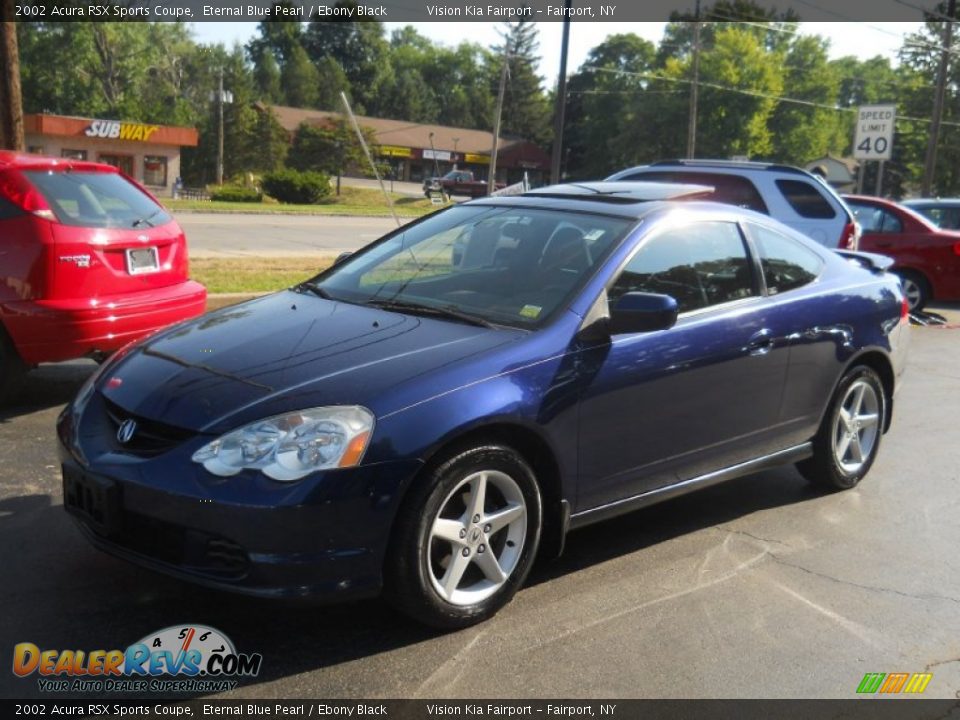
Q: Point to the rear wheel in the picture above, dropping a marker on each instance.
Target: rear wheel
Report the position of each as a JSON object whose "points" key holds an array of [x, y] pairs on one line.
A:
{"points": [[915, 288], [466, 538], [849, 437], [12, 368]]}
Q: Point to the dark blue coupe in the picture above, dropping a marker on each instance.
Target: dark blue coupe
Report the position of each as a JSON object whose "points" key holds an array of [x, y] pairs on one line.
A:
{"points": [[425, 416]]}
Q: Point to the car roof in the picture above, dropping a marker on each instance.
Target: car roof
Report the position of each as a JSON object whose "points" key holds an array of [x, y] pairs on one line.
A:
{"points": [[623, 199], [29, 161], [932, 201], [742, 166], [868, 199]]}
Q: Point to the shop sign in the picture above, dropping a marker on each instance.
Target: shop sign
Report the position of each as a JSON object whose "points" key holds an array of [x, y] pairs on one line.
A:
{"points": [[116, 130], [395, 151]]}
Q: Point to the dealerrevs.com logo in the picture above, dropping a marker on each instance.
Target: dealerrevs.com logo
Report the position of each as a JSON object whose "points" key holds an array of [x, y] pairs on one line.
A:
{"points": [[180, 658]]}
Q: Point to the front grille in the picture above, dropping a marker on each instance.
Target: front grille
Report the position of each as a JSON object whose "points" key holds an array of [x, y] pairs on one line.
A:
{"points": [[151, 438], [182, 547]]}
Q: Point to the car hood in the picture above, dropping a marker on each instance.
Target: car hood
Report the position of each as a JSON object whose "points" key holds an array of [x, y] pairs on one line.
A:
{"points": [[285, 352]]}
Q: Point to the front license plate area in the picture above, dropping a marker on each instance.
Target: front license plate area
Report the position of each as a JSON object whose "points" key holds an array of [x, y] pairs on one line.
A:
{"points": [[142, 260], [95, 500]]}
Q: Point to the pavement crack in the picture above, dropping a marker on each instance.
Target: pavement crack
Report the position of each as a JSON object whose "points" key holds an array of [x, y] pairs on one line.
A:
{"points": [[767, 541], [871, 588], [938, 663]]}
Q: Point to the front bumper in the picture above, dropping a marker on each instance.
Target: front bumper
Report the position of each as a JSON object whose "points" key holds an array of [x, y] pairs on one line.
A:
{"points": [[322, 537], [55, 330]]}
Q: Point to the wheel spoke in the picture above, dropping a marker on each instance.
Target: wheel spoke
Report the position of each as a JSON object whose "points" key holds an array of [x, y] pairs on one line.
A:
{"points": [[478, 496], [843, 445], [857, 403], [845, 418], [501, 518], [868, 419], [488, 563], [855, 450], [448, 530], [454, 574]]}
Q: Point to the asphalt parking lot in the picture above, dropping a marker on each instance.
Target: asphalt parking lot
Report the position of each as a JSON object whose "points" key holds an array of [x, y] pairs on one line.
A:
{"points": [[758, 588]]}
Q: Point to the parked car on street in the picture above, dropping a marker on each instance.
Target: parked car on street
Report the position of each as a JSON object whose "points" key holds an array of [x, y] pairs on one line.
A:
{"points": [[796, 198], [926, 257], [89, 261], [458, 182], [942, 212], [407, 424]]}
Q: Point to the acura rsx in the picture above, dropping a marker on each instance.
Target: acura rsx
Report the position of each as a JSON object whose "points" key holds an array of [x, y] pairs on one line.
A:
{"points": [[426, 415]]}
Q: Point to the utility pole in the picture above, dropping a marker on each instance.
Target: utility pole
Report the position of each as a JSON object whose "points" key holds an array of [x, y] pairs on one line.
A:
{"points": [[695, 87], [560, 104], [930, 161], [220, 126], [491, 181], [11, 101]]}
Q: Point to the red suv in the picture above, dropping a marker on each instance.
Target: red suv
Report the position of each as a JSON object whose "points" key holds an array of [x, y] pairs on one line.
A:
{"points": [[925, 257], [89, 261]]}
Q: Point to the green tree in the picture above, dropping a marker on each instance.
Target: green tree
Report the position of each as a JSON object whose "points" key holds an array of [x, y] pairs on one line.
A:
{"points": [[602, 97], [300, 80], [266, 72], [526, 109]]}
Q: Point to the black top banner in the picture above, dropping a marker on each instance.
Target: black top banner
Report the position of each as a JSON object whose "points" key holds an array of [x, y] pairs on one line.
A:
{"points": [[611, 11]]}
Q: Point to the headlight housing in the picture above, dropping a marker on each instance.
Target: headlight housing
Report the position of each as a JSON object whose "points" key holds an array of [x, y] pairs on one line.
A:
{"points": [[291, 446]]}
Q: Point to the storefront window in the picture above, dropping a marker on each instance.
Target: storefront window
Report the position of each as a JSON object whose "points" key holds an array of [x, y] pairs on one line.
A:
{"points": [[154, 170], [73, 154], [35, 149], [122, 162]]}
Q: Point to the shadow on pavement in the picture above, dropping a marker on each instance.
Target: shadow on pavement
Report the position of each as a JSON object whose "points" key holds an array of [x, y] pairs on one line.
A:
{"points": [[47, 386], [64, 594]]}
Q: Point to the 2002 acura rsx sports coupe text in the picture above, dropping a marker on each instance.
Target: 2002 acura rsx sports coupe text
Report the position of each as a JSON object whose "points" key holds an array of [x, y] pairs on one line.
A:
{"points": [[427, 414]]}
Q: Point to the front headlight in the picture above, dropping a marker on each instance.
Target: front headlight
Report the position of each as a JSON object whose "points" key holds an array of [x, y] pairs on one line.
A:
{"points": [[290, 446]]}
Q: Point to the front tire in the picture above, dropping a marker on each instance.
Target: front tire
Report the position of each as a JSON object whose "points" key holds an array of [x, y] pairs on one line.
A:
{"points": [[849, 437], [466, 538]]}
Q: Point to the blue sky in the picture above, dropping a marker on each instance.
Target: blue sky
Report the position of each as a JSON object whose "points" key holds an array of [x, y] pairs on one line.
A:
{"points": [[862, 39]]}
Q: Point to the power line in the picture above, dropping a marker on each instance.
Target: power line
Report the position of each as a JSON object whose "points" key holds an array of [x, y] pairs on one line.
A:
{"points": [[758, 94]]}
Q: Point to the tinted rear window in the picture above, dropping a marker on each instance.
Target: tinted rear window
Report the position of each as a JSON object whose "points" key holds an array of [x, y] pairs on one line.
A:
{"points": [[728, 189], [806, 199], [95, 199]]}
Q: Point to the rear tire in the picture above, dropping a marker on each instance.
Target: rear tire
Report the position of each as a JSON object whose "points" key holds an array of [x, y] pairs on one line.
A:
{"points": [[466, 538], [915, 288], [12, 369], [849, 437]]}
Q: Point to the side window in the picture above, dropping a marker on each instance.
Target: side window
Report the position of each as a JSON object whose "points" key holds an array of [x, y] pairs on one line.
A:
{"points": [[786, 263], [891, 223], [869, 217], [699, 265], [8, 209], [727, 189], [806, 199]]}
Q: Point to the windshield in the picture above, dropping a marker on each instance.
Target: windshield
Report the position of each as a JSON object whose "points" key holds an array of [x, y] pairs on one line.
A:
{"points": [[504, 265], [96, 199]]}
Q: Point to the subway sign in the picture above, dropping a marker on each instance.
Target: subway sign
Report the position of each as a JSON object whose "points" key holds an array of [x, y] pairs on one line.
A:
{"points": [[116, 130]]}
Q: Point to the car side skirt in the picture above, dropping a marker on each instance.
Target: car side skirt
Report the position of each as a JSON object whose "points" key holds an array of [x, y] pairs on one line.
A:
{"points": [[603, 512]]}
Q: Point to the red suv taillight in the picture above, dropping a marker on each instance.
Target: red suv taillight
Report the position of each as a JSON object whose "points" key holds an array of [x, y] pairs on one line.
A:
{"points": [[956, 248], [850, 237], [15, 188]]}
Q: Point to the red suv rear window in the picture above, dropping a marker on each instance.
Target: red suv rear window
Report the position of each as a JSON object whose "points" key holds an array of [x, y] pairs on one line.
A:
{"points": [[96, 199]]}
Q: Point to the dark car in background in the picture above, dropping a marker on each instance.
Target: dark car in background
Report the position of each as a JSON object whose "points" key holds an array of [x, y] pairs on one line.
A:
{"points": [[89, 261], [421, 425], [926, 257], [796, 198]]}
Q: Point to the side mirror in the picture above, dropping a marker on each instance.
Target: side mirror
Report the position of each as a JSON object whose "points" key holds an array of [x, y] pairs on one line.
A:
{"points": [[636, 312], [341, 257]]}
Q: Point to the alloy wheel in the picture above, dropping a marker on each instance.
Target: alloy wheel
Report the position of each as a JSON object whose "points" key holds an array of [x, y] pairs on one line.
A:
{"points": [[857, 427]]}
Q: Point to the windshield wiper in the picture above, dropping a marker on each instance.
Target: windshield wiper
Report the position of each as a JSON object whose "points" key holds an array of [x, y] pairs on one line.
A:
{"points": [[444, 311], [146, 221], [315, 289]]}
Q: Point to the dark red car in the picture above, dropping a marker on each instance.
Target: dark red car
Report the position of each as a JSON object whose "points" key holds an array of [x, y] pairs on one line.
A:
{"points": [[925, 257], [89, 261]]}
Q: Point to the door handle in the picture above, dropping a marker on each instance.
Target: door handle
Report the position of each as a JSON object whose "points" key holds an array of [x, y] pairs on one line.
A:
{"points": [[760, 343]]}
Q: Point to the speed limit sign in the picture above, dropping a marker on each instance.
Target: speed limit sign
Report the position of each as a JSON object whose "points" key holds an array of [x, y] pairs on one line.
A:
{"points": [[874, 136]]}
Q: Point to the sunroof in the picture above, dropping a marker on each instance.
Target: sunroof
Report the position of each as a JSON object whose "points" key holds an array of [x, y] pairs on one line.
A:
{"points": [[624, 192]]}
